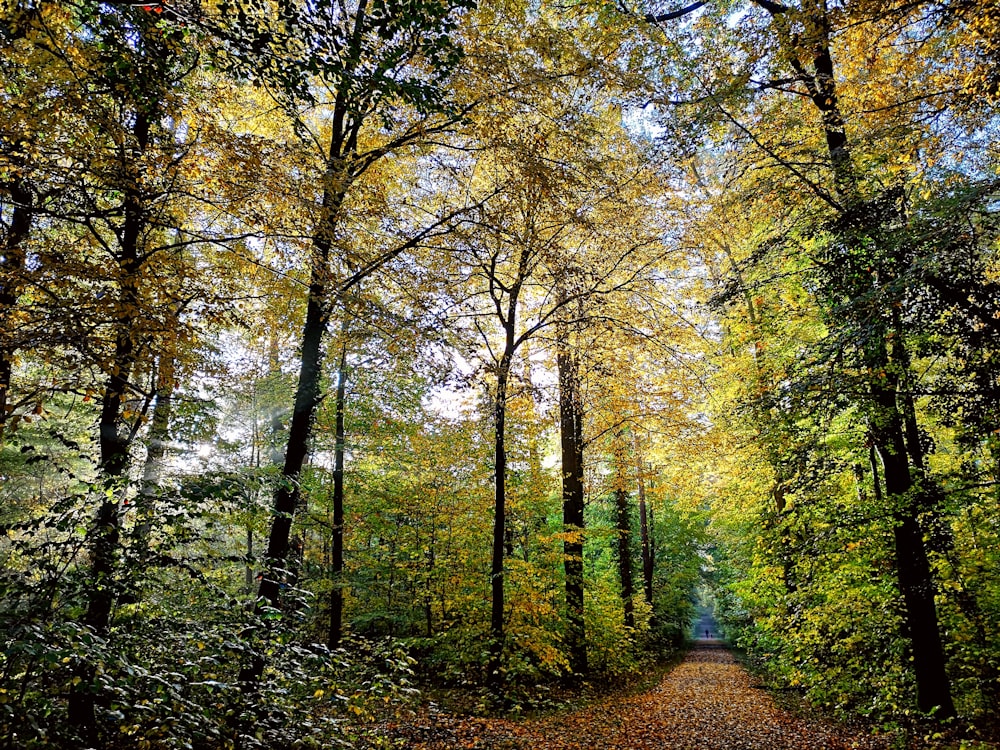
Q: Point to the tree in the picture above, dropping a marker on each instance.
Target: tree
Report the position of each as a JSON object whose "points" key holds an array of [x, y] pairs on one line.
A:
{"points": [[793, 50], [571, 439], [385, 68]]}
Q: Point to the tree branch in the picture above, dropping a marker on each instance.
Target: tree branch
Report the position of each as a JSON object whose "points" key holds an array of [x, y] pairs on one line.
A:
{"points": [[686, 10]]}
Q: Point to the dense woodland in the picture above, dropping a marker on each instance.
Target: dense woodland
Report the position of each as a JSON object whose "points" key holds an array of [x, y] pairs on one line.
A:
{"points": [[350, 348]]}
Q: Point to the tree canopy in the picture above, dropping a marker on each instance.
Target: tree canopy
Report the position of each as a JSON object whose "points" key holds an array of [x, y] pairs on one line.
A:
{"points": [[351, 352]]}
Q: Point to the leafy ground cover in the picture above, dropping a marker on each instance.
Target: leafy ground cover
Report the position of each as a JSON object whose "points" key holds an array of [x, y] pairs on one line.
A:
{"points": [[707, 702]]}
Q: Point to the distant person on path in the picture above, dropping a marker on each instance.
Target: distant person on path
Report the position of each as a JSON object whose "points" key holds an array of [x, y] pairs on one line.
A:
{"points": [[707, 634]]}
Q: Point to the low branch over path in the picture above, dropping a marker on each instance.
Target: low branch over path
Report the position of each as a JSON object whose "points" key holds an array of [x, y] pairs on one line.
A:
{"points": [[707, 702]]}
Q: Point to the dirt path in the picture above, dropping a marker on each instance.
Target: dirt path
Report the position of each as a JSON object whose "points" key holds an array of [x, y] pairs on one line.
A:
{"points": [[707, 702]]}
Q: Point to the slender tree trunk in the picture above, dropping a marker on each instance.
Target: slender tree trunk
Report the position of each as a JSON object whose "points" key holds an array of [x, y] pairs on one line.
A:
{"points": [[337, 181], [287, 494], [623, 525], [337, 530], [646, 552], [11, 267], [624, 528], [571, 444], [156, 450], [159, 426], [913, 571], [114, 440], [494, 666], [307, 399], [876, 474]]}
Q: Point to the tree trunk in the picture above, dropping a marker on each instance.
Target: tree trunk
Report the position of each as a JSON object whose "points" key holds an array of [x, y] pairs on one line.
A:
{"points": [[624, 527], [913, 571], [307, 397], [494, 671], [11, 267], [287, 494], [114, 441], [571, 444], [337, 529], [914, 574], [646, 552], [156, 451], [345, 125]]}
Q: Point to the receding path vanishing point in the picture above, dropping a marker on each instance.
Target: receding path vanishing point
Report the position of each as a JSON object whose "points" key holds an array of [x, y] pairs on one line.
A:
{"points": [[707, 702]]}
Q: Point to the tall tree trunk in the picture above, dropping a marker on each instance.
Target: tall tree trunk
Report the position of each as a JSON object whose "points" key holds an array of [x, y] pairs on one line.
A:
{"points": [[624, 542], [114, 440], [156, 449], [159, 426], [345, 125], [287, 494], [11, 267], [337, 529], [913, 570], [571, 445], [624, 528], [646, 551], [494, 671], [307, 391], [876, 474]]}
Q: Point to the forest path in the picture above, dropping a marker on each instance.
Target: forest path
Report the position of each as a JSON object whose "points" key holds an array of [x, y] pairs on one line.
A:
{"points": [[707, 702]]}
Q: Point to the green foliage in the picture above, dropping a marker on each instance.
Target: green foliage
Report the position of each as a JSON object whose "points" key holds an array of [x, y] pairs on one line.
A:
{"points": [[165, 674], [386, 54], [155, 213], [170, 683]]}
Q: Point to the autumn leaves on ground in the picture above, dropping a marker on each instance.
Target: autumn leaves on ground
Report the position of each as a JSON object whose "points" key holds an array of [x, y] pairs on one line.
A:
{"points": [[707, 702]]}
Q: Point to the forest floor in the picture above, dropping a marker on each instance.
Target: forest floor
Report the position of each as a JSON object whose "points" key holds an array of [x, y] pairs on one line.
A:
{"points": [[707, 702]]}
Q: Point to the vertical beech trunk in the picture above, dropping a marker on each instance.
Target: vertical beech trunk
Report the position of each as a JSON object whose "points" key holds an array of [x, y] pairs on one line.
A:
{"points": [[159, 427], [623, 525], [624, 528], [571, 444], [156, 449], [625, 555], [913, 570], [345, 125], [113, 436], [507, 316], [337, 530], [876, 474], [287, 494], [11, 267], [494, 669], [646, 552]]}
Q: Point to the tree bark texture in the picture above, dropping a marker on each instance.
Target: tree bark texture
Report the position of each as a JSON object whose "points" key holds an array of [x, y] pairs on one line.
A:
{"points": [[913, 571], [646, 552], [114, 441], [571, 447], [624, 527], [494, 673], [11, 267], [337, 530]]}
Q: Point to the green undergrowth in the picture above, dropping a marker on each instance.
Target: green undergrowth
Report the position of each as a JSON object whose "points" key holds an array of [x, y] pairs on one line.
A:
{"points": [[910, 733]]}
